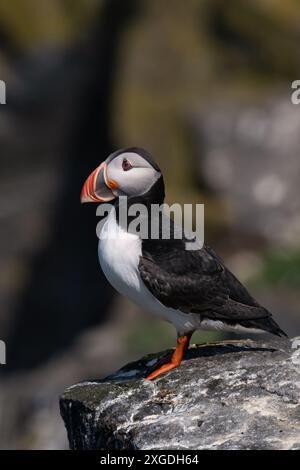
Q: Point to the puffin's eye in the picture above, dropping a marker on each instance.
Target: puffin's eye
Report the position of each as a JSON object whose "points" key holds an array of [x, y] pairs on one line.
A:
{"points": [[126, 165]]}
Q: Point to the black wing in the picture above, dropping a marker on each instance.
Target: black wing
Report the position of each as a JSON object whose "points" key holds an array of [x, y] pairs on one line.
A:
{"points": [[198, 281]]}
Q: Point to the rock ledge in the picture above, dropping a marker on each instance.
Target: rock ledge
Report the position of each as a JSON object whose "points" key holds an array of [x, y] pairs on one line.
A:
{"points": [[230, 395]]}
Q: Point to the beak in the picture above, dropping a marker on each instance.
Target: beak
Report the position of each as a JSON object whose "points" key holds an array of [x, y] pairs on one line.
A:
{"points": [[98, 188]]}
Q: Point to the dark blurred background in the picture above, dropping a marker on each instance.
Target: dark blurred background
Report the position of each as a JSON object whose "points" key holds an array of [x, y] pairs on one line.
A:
{"points": [[205, 86]]}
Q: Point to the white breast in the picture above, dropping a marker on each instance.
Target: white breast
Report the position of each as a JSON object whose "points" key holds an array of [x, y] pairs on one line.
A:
{"points": [[119, 254]]}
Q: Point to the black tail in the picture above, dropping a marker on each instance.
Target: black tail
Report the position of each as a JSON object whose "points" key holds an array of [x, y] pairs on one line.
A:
{"points": [[266, 324]]}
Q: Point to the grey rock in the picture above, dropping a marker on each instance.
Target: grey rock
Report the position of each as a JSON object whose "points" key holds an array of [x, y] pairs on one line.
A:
{"points": [[230, 395]]}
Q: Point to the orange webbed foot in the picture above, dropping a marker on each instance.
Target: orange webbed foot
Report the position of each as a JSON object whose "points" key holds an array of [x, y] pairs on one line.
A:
{"points": [[177, 356]]}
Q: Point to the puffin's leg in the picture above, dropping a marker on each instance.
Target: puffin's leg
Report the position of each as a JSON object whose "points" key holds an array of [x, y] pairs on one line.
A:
{"points": [[182, 345]]}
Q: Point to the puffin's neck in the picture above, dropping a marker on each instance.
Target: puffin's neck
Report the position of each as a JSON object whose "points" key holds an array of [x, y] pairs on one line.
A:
{"points": [[155, 195]]}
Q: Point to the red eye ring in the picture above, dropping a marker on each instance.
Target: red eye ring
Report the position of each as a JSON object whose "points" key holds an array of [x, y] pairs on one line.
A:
{"points": [[126, 165]]}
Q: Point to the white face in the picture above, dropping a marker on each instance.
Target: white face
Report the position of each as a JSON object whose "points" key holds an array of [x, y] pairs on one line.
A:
{"points": [[132, 173]]}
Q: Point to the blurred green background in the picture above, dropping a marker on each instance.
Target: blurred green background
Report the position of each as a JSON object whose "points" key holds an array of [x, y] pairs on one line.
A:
{"points": [[205, 86]]}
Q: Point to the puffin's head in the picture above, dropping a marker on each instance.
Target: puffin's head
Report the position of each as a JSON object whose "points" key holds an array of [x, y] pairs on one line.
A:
{"points": [[127, 172]]}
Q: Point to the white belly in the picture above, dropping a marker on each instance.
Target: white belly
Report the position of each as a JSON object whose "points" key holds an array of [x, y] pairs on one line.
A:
{"points": [[119, 254]]}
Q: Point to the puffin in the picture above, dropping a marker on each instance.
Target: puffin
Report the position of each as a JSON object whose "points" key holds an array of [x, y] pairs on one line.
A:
{"points": [[190, 288]]}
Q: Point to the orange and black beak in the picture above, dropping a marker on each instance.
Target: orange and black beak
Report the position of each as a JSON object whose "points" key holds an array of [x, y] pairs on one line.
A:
{"points": [[98, 187]]}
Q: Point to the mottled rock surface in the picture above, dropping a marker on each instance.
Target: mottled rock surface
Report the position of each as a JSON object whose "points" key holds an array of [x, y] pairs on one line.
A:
{"points": [[231, 395]]}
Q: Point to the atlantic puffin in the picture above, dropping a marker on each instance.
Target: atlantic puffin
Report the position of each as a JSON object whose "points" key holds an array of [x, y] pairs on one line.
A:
{"points": [[192, 289]]}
